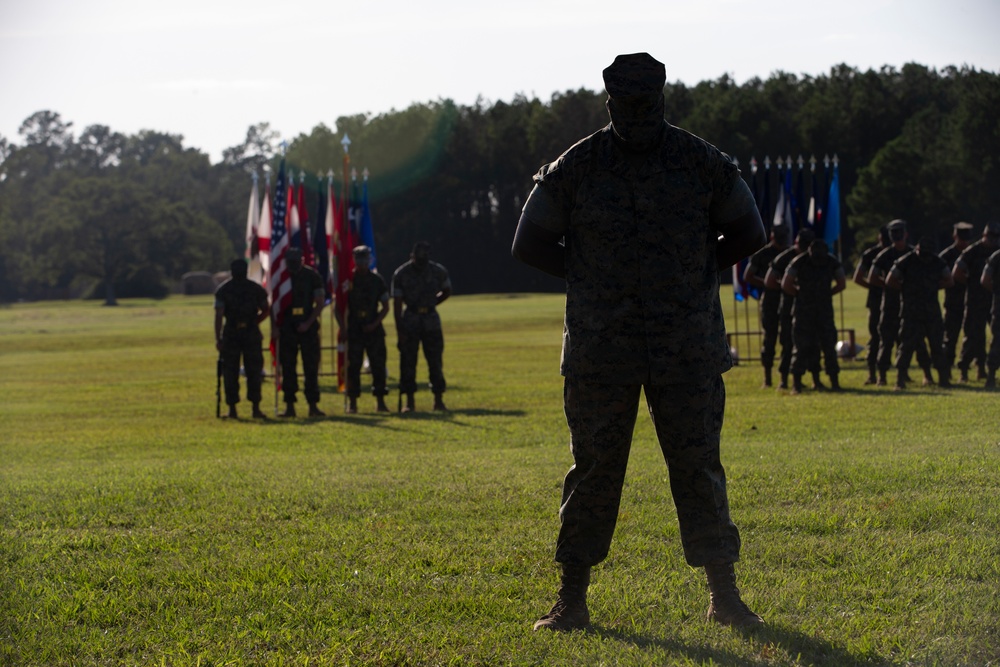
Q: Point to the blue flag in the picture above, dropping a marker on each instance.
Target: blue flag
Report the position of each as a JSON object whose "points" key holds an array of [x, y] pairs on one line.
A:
{"points": [[831, 230]]}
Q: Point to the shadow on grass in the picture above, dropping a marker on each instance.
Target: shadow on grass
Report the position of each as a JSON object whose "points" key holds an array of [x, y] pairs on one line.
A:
{"points": [[769, 644]]}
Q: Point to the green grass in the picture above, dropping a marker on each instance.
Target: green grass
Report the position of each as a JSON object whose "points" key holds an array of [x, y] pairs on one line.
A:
{"points": [[137, 529]]}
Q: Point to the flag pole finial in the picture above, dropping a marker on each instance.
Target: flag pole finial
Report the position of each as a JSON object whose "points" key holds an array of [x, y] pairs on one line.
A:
{"points": [[364, 173], [836, 161], [354, 173], [346, 143], [329, 176]]}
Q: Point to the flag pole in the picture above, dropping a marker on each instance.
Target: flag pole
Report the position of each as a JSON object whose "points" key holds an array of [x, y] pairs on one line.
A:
{"points": [[840, 245], [342, 348]]}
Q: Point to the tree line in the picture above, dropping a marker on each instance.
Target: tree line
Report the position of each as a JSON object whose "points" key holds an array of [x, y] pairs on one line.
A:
{"points": [[111, 215]]}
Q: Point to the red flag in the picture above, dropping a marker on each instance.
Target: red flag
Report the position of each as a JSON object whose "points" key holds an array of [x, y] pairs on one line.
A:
{"points": [[305, 236], [343, 239]]}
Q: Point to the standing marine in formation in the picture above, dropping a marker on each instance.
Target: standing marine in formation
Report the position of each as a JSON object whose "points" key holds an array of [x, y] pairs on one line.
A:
{"points": [[240, 307], [367, 306], [813, 278], [770, 297], [421, 286], [918, 275]]}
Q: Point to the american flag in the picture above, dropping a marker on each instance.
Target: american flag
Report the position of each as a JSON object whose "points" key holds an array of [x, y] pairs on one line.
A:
{"points": [[281, 279]]}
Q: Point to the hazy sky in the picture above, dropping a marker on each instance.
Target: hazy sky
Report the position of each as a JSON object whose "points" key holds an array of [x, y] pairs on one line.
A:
{"points": [[208, 69]]}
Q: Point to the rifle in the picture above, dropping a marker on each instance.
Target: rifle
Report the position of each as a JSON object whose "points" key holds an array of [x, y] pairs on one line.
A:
{"points": [[218, 387]]}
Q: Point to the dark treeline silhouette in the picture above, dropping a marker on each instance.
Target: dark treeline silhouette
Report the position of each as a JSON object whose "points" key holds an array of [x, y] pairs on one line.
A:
{"points": [[109, 215]]}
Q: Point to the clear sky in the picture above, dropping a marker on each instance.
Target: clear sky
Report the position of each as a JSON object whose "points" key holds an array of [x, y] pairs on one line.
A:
{"points": [[208, 69]]}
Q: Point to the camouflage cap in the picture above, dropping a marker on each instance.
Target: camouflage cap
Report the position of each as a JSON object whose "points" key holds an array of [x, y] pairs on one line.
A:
{"points": [[963, 227], [293, 254], [635, 74], [362, 251], [805, 237], [993, 228], [897, 224]]}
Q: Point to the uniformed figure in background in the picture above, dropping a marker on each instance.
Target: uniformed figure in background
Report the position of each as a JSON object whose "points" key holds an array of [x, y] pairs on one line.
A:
{"points": [[300, 331], [367, 306], [768, 308], [918, 275], [240, 307], [968, 270], [991, 281], [888, 324], [813, 278], [421, 286], [639, 218], [954, 296], [775, 274], [873, 302]]}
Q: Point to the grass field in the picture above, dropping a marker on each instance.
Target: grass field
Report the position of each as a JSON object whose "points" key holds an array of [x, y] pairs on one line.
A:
{"points": [[137, 529]]}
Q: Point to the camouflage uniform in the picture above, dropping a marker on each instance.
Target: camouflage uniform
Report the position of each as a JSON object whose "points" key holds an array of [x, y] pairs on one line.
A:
{"points": [[420, 323], [873, 302], [888, 323], [642, 310], [366, 292], [241, 301], [813, 328], [306, 284], [992, 269], [920, 314], [954, 307], [770, 303], [977, 305]]}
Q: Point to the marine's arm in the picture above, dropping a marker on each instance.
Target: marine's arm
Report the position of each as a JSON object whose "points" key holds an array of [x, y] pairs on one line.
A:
{"points": [[742, 232], [536, 245]]}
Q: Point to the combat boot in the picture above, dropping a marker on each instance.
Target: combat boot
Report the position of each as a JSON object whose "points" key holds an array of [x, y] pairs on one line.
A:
{"points": [[991, 379], [963, 375], [835, 383], [767, 377], [352, 406], [725, 605], [817, 383], [928, 378], [881, 379], [439, 403], [797, 387], [289, 410], [784, 381], [314, 411], [232, 412], [410, 406], [900, 383], [944, 378], [257, 414], [380, 405], [981, 373], [570, 610]]}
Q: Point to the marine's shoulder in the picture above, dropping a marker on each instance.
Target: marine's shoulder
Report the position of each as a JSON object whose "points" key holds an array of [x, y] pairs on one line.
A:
{"points": [[580, 153]]}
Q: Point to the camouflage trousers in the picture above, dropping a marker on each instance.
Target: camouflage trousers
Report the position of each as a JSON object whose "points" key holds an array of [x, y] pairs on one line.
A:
{"points": [[913, 330], [372, 344], [974, 340], [889, 338], [246, 344], [770, 324], [952, 332], [688, 422], [874, 341], [290, 344], [993, 360], [814, 335]]}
